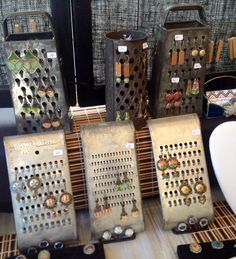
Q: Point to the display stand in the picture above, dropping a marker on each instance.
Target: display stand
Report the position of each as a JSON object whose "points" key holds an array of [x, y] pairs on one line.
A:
{"points": [[40, 188], [112, 180], [182, 172], [34, 73]]}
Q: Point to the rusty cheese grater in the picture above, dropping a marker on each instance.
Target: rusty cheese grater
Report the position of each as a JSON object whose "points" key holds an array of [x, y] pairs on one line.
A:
{"points": [[180, 65], [34, 73]]}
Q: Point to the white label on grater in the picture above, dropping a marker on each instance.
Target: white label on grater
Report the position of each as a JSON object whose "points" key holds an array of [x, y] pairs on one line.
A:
{"points": [[197, 66], [58, 152], [51, 55], [196, 132], [129, 145], [122, 48], [145, 45], [175, 80], [179, 37], [22, 54]]}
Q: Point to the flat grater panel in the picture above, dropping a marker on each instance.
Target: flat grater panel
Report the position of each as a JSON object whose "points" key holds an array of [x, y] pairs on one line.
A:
{"points": [[37, 95], [180, 137], [180, 64], [112, 175], [40, 158]]}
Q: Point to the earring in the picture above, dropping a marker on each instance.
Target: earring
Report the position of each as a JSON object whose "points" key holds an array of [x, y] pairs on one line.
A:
{"points": [[31, 62], [134, 211], [119, 186], [97, 210], [185, 190], [195, 88], [14, 63], [188, 88], [118, 117], [51, 203], [125, 182], [66, 199], [124, 214], [173, 162], [170, 100], [34, 183], [106, 206], [126, 70], [17, 186], [162, 164]]}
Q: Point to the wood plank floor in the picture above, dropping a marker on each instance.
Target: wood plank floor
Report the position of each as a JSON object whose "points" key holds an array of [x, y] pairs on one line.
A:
{"points": [[153, 243]]}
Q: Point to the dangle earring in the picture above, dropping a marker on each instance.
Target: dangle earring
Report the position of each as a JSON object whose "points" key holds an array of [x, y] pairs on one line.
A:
{"points": [[162, 163], [134, 211], [126, 73], [51, 202], [119, 186], [17, 186], [98, 209], [124, 215], [66, 199], [200, 188], [14, 62], [106, 206], [195, 88], [31, 62], [126, 182], [188, 88], [34, 183]]}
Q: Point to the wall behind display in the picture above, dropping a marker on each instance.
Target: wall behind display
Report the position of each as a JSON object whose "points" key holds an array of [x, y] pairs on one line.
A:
{"points": [[143, 15]]}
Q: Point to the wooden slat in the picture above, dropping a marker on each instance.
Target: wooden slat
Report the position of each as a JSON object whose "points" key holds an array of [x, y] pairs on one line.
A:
{"points": [[96, 114]]}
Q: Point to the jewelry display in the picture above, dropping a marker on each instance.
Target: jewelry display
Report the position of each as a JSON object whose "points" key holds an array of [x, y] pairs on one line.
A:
{"points": [[35, 80], [112, 178], [126, 76], [181, 172], [180, 64], [40, 188]]}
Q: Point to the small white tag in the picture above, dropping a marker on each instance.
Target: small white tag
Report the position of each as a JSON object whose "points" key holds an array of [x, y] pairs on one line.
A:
{"points": [[179, 37], [58, 152], [175, 80], [196, 132], [122, 48], [197, 66], [51, 55], [129, 145], [145, 45]]}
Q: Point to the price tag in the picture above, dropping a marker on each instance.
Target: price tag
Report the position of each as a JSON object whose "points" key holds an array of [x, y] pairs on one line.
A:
{"points": [[197, 66], [196, 132], [129, 145], [179, 37], [58, 152], [122, 48], [145, 45], [51, 55], [175, 80]]}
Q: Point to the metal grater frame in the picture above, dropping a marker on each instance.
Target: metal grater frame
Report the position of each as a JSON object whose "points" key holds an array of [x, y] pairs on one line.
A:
{"points": [[109, 150], [46, 155], [180, 137], [43, 46]]}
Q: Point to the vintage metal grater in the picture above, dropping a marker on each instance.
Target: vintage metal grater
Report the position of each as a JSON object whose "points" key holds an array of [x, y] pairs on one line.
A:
{"points": [[34, 73], [126, 75], [112, 177], [182, 172], [180, 64], [40, 187]]}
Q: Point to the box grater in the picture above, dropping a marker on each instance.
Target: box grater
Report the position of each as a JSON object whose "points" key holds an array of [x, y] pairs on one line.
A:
{"points": [[180, 64], [34, 73], [112, 178], [40, 188], [181, 172]]}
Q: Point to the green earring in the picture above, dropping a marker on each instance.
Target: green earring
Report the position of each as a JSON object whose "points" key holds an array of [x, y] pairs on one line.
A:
{"points": [[14, 63], [31, 62]]}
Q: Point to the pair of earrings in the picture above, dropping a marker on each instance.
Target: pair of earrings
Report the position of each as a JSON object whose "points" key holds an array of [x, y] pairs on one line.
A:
{"points": [[122, 70], [17, 186], [124, 184], [134, 211], [174, 100], [98, 209], [192, 88], [171, 163], [118, 116], [29, 62]]}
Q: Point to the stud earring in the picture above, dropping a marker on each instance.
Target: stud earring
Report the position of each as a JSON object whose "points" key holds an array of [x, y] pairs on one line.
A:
{"points": [[34, 183], [162, 163]]}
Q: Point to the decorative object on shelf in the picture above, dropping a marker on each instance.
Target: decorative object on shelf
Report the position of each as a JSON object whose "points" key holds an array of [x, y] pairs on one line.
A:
{"points": [[195, 248], [126, 76], [112, 179], [34, 76], [44, 210], [183, 184], [180, 65]]}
